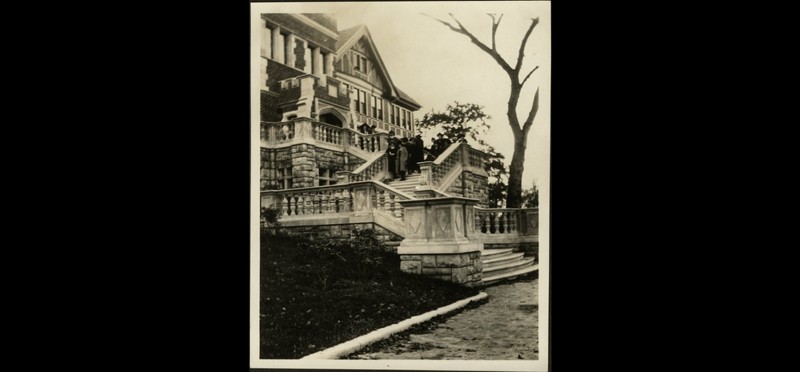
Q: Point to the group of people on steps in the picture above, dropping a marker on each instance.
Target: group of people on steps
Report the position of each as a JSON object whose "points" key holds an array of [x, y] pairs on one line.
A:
{"points": [[404, 154]]}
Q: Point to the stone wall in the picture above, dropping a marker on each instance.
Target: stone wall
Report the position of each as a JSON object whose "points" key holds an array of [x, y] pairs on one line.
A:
{"points": [[305, 161], [330, 159], [463, 268], [341, 232], [471, 185], [271, 161]]}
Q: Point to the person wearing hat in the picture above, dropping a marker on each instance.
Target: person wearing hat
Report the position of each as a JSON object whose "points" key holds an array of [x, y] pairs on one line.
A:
{"points": [[402, 159], [391, 157], [444, 143], [418, 153]]}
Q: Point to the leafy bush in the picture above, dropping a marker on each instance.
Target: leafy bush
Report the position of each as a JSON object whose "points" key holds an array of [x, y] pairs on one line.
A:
{"points": [[270, 216]]}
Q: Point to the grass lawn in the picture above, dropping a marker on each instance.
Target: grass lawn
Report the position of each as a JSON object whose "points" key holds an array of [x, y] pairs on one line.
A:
{"points": [[315, 295]]}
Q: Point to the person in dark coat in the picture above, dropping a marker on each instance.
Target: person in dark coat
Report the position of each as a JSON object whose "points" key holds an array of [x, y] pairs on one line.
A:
{"points": [[402, 159], [434, 147], [391, 157], [444, 143], [419, 152]]}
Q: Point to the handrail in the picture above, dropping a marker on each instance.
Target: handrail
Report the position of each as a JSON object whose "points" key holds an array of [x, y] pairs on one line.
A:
{"points": [[360, 197], [507, 221]]}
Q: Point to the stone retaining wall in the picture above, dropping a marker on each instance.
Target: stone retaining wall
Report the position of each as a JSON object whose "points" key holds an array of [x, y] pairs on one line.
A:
{"points": [[341, 232], [463, 268]]}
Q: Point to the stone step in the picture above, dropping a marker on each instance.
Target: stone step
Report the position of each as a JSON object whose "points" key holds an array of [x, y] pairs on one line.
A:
{"points": [[487, 280], [508, 267], [494, 253], [502, 260]]}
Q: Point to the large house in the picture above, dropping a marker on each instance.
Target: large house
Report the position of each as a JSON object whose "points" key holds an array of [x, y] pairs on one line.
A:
{"points": [[318, 86]]}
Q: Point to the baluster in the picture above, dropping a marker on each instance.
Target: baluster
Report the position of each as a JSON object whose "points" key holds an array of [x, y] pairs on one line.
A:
{"points": [[309, 203], [284, 206], [346, 201], [299, 205], [294, 205], [324, 206], [379, 195], [318, 209], [513, 222], [336, 137], [391, 205], [338, 202], [505, 223], [485, 225]]}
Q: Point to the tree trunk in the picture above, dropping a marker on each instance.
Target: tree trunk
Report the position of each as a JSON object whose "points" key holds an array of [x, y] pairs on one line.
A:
{"points": [[514, 196]]}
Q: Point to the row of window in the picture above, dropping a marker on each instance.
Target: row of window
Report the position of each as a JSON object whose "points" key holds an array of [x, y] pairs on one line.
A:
{"points": [[327, 176], [397, 115]]}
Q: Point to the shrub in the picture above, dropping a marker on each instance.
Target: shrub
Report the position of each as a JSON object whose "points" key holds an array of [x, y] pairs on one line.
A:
{"points": [[269, 217]]}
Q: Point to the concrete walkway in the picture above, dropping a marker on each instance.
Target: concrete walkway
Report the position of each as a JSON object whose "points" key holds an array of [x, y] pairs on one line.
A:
{"points": [[505, 328]]}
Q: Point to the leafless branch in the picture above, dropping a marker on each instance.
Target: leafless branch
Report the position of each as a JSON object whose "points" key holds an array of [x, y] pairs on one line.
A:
{"points": [[529, 75], [521, 55], [462, 30], [495, 25], [532, 114]]}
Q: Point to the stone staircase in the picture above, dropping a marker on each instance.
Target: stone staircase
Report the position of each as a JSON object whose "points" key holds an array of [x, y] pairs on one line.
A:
{"points": [[505, 264], [406, 186]]}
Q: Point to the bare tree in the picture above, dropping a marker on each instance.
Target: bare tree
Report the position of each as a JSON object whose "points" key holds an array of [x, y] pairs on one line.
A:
{"points": [[517, 165]]}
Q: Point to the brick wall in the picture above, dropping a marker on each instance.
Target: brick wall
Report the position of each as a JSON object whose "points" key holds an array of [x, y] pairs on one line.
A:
{"points": [[299, 53], [322, 93], [269, 105], [277, 72]]}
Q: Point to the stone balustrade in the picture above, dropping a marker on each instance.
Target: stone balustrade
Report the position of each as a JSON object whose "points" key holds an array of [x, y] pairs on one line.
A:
{"points": [[351, 198], [507, 221], [371, 169]]}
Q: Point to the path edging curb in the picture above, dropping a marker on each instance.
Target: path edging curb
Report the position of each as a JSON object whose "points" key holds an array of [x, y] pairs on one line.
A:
{"points": [[359, 342]]}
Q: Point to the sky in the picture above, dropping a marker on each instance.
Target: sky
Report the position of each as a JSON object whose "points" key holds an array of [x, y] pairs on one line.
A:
{"points": [[437, 66]]}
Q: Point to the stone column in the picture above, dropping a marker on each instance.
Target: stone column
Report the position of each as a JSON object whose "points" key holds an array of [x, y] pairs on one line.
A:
{"points": [[343, 177], [329, 64], [317, 67], [304, 162], [425, 187], [306, 97], [290, 55], [530, 222], [264, 74], [266, 40], [440, 240], [277, 45]]}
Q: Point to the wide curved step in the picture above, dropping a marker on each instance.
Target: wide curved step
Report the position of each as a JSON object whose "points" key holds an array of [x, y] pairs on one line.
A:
{"points": [[494, 253], [509, 276], [502, 259], [508, 267]]}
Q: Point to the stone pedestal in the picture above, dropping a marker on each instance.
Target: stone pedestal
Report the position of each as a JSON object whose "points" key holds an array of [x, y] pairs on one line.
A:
{"points": [[425, 187], [440, 241]]}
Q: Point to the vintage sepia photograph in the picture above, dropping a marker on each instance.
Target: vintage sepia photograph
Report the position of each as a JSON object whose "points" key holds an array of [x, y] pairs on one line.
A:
{"points": [[400, 162]]}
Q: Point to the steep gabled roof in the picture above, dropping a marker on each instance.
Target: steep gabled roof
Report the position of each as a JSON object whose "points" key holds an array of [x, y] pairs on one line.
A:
{"points": [[348, 37], [345, 36]]}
